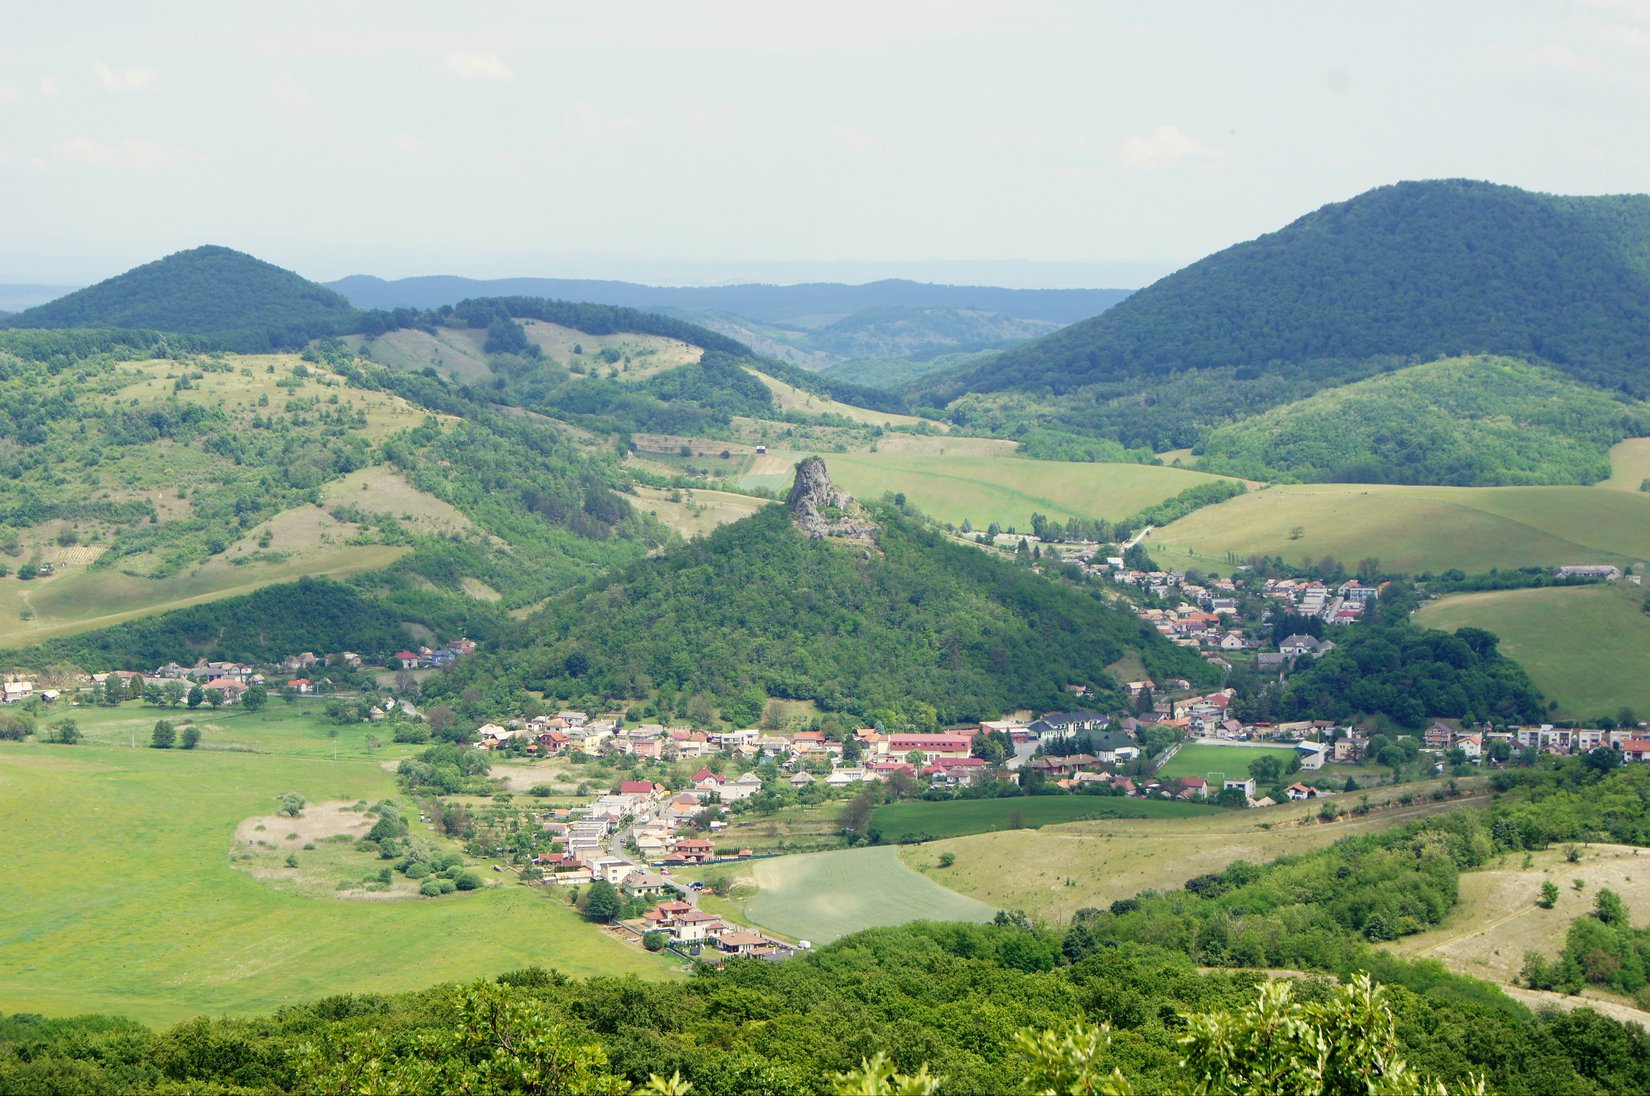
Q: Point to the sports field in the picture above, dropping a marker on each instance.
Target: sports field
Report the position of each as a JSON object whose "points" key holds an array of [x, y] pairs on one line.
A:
{"points": [[986, 489], [1414, 529], [122, 897], [1586, 647], [1200, 759], [955, 818], [823, 895]]}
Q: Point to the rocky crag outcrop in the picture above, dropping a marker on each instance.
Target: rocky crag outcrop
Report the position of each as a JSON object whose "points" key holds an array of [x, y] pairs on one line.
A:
{"points": [[820, 509]]}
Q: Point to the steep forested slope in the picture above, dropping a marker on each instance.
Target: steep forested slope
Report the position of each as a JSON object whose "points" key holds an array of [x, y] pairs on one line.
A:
{"points": [[1419, 268], [914, 629]]}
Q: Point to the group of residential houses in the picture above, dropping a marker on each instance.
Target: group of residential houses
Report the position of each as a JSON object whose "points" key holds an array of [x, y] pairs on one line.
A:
{"points": [[1632, 742], [231, 680]]}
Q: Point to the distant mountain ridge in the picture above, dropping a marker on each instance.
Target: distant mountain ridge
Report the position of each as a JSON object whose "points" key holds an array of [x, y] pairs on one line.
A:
{"points": [[203, 291], [1417, 269], [817, 302]]}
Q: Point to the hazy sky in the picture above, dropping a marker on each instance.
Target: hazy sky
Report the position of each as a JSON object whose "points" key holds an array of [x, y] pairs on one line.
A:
{"points": [[1095, 143]]}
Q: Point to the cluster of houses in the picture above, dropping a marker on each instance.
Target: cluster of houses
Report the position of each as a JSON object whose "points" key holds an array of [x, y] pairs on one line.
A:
{"points": [[229, 681], [1632, 742]]}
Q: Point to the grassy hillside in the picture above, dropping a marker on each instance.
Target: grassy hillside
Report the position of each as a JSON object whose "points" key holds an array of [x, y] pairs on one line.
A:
{"points": [[1057, 870], [1588, 647], [1414, 529], [959, 817], [206, 290], [177, 930], [907, 630], [142, 482], [1463, 421]]}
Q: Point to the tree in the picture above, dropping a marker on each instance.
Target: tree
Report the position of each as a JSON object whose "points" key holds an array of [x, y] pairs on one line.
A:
{"points": [[173, 692], [292, 804], [655, 939], [1549, 895], [197, 696], [114, 690], [191, 737], [67, 733], [164, 736], [255, 698], [1266, 770], [1609, 908], [601, 901]]}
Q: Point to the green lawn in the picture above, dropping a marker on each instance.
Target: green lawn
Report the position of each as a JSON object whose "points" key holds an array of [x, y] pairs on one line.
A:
{"points": [[1414, 529], [1586, 647], [1198, 759], [956, 818], [1006, 490], [123, 899], [295, 728], [823, 895]]}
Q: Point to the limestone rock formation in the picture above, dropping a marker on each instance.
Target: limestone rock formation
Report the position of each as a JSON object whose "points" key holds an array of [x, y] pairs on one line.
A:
{"points": [[820, 509]]}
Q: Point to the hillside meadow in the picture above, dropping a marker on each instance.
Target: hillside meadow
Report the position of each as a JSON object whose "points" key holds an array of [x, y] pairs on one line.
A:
{"points": [[125, 901], [1586, 647], [1497, 921], [1055, 871]]}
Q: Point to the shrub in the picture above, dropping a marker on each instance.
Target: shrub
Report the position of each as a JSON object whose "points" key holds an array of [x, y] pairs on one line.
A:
{"points": [[655, 940], [947, 859], [431, 888], [467, 880]]}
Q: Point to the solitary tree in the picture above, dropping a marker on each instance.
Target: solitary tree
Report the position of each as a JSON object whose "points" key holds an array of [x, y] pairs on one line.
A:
{"points": [[164, 736], [255, 698], [292, 804], [601, 902], [67, 733], [191, 737]]}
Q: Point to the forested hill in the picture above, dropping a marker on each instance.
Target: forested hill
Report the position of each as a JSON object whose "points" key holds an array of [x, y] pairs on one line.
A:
{"points": [[1419, 270], [203, 291], [915, 629]]}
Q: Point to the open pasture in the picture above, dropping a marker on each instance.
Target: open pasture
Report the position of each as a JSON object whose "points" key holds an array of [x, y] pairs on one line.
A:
{"points": [[125, 900], [1414, 529], [1586, 647], [693, 513], [823, 895], [1059, 869], [958, 817]]}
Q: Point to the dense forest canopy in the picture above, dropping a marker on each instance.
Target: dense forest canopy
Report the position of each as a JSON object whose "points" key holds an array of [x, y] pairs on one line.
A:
{"points": [[1417, 268], [206, 290]]}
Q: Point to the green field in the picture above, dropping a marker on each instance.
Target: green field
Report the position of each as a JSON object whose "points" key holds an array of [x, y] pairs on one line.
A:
{"points": [[823, 895], [955, 818], [1198, 759], [1586, 647], [1414, 529], [985, 489], [124, 899]]}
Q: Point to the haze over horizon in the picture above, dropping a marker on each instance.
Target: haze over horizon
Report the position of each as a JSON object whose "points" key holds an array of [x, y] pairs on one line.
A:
{"points": [[1035, 145]]}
